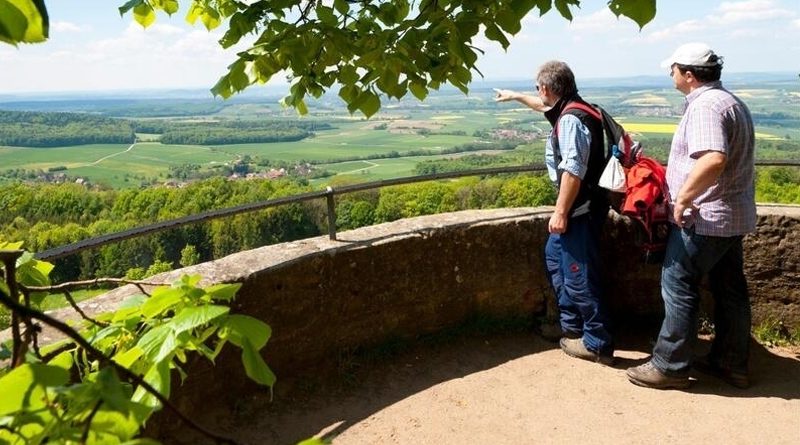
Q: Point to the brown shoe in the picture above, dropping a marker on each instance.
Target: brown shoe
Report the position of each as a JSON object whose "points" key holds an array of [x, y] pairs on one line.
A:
{"points": [[649, 376], [706, 366], [574, 347]]}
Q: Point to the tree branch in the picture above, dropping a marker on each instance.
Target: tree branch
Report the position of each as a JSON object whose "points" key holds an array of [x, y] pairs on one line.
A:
{"points": [[72, 285], [78, 309], [85, 434], [96, 354]]}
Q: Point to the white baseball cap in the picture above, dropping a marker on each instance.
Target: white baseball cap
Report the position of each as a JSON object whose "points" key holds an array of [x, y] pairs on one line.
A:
{"points": [[693, 54]]}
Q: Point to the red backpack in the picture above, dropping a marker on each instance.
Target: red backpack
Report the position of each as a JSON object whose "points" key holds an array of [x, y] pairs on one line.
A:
{"points": [[645, 197]]}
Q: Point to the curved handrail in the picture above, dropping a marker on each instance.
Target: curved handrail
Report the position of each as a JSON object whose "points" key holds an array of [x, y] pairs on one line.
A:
{"points": [[328, 193]]}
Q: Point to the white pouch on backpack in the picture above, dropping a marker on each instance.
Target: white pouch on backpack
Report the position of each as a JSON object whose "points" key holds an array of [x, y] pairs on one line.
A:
{"points": [[613, 177]]}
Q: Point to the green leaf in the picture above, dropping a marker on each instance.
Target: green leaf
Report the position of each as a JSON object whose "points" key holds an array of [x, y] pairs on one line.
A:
{"points": [[130, 310], [192, 317], [494, 33], [302, 108], [369, 103], [111, 390], [128, 6], [210, 18], [342, 6], [348, 75], [144, 14], [640, 11], [326, 16], [170, 6], [114, 426], [241, 327], [32, 272], [188, 281], [6, 245], [63, 361], [158, 378], [23, 21], [223, 292], [129, 357], [222, 88], [162, 300], [255, 367], [194, 12], [563, 8], [509, 21], [23, 387], [152, 342]]}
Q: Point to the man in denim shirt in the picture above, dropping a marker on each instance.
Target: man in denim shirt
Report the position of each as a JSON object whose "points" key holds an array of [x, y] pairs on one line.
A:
{"points": [[710, 176], [575, 157]]}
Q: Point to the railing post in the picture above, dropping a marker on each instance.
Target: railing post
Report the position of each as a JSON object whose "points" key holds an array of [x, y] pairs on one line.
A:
{"points": [[331, 213], [9, 259]]}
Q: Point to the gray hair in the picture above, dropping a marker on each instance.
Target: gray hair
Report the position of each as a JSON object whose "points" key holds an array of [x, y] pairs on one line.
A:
{"points": [[558, 78]]}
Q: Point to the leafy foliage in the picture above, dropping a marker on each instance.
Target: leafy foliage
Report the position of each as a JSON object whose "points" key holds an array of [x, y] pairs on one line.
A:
{"points": [[87, 395], [368, 49]]}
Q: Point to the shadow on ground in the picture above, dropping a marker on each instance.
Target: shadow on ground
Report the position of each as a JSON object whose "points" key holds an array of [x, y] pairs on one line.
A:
{"points": [[328, 401]]}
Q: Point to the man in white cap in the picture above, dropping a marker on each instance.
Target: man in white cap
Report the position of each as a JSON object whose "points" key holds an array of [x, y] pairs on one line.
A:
{"points": [[710, 177]]}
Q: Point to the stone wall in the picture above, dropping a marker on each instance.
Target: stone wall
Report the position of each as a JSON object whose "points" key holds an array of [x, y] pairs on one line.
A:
{"points": [[410, 277]]}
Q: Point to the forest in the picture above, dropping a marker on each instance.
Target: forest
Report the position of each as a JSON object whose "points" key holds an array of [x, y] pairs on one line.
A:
{"points": [[233, 132], [36, 129], [46, 215], [56, 129]]}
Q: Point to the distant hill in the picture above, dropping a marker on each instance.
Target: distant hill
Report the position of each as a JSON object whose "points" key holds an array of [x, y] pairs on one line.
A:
{"points": [[193, 102]]}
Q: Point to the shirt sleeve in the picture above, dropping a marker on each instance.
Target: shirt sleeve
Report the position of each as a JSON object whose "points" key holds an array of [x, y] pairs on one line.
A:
{"points": [[574, 141], [706, 131]]}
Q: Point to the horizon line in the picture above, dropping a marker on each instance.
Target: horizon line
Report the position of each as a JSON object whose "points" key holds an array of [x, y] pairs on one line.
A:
{"points": [[195, 89]]}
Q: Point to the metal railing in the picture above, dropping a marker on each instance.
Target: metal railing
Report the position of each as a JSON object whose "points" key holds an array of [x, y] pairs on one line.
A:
{"points": [[329, 193]]}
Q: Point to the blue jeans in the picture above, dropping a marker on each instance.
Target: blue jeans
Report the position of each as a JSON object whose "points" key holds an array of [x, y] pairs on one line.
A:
{"points": [[572, 265], [688, 258]]}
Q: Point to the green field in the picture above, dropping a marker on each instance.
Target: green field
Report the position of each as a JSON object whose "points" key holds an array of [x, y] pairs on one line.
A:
{"points": [[349, 140], [112, 164], [400, 128]]}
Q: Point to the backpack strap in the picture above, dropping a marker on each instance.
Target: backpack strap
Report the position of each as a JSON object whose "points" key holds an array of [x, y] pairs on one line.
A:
{"points": [[592, 111]]}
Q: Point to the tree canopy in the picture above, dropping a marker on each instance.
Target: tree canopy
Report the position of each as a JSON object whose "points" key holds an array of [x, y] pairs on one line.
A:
{"points": [[368, 49]]}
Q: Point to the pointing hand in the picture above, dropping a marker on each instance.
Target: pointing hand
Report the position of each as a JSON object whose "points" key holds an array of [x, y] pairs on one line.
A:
{"points": [[504, 95]]}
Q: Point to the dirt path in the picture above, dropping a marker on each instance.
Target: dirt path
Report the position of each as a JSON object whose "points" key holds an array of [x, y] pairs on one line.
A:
{"points": [[519, 389]]}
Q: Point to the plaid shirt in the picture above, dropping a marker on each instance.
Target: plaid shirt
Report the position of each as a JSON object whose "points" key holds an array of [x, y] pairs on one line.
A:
{"points": [[716, 120]]}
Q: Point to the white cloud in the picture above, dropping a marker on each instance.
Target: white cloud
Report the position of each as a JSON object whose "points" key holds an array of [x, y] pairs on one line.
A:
{"points": [[675, 31], [163, 55], [62, 26], [735, 19], [603, 20], [730, 13], [796, 23]]}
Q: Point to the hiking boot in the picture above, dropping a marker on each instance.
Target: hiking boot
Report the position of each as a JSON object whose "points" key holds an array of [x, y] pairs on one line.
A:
{"points": [[649, 376], [574, 347], [706, 366]]}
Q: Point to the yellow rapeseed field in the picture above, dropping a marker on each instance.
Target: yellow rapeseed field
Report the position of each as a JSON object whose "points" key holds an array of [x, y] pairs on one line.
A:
{"points": [[634, 127], [639, 128]]}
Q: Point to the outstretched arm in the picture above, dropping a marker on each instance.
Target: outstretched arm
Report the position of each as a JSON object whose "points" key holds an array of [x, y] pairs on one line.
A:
{"points": [[533, 102]]}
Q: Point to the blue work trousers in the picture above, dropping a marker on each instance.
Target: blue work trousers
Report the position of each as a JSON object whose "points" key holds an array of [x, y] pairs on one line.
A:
{"points": [[689, 257], [573, 265]]}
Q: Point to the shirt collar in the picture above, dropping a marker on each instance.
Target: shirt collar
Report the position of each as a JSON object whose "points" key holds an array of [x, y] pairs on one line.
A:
{"points": [[702, 89]]}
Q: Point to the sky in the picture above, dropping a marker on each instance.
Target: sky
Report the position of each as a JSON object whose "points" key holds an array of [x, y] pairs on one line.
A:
{"points": [[92, 48]]}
